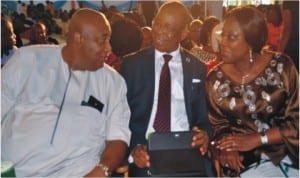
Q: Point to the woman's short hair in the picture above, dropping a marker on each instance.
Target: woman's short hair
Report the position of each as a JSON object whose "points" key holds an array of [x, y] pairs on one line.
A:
{"points": [[126, 37], [207, 27], [253, 24]]}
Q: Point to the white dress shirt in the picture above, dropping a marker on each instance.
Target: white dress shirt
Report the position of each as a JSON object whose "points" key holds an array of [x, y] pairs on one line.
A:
{"points": [[32, 96], [179, 121]]}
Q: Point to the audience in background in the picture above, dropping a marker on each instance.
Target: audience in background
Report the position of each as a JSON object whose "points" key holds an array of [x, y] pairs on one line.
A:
{"points": [[137, 17], [50, 8], [19, 9], [193, 38], [289, 41], [274, 24], [18, 22], [215, 40], [149, 9], [197, 10], [205, 52], [194, 32]]}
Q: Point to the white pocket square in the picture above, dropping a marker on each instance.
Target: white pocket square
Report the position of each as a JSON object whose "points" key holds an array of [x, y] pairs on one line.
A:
{"points": [[196, 80]]}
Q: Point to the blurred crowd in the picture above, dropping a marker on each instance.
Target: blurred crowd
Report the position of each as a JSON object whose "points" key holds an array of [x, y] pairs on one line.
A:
{"points": [[37, 23]]}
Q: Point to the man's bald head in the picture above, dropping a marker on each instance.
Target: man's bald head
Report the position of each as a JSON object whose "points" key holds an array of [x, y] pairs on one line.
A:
{"points": [[170, 26], [88, 40], [83, 18], [177, 8]]}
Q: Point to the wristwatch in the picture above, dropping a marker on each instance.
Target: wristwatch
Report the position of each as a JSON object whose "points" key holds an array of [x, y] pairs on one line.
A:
{"points": [[263, 137], [105, 169]]}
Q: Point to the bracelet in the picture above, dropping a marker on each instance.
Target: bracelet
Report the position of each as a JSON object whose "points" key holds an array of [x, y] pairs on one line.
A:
{"points": [[105, 169], [264, 138]]}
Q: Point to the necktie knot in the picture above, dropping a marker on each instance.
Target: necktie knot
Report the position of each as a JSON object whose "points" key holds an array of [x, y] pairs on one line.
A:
{"points": [[167, 57]]}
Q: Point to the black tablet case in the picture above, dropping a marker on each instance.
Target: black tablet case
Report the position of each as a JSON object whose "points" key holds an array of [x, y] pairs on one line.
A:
{"points": [[171, 154]]}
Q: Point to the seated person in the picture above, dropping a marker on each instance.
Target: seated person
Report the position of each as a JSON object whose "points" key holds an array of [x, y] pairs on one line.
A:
{"points": [[64, 112], [166, 89], [126, 37], [194, 32], [253, 101], [39, 35], [274, 24], [206, 51], [8, 41]]}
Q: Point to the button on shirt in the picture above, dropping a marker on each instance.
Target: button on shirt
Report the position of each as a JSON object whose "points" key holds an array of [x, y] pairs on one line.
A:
{"points": [[179, 121]]}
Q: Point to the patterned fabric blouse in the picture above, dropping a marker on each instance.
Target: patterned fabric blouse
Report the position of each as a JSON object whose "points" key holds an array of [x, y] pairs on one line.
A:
{"points": [[270, 100], [203, 55]]}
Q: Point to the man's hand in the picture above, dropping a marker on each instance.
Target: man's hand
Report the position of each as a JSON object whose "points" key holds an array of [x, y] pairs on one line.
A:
{"points": [[96, 172], [112, 157], [140, 156], [200, 139]]}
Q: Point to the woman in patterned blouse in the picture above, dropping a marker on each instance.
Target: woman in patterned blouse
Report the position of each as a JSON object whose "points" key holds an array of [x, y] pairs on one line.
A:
{"points": [[253, 101]]}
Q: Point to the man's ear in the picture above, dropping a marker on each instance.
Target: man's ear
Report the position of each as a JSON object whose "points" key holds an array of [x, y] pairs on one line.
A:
{"points": [[77, 38], [184, 32]]}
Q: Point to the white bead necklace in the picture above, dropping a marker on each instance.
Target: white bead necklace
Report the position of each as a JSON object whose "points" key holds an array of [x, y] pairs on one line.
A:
{"points": [[244, 77]]}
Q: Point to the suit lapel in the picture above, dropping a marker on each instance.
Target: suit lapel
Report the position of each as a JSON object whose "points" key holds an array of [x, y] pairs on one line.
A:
{"points": [[187, 80], [150, 68], [149, 74]]}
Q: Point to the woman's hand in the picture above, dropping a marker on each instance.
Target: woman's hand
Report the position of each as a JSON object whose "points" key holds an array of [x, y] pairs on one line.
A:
{"points": [[140, 156], [200, 139], [240, 142]]}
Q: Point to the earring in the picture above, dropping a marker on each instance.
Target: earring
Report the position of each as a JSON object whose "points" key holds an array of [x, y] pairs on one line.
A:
{"points": [[250, 56]]}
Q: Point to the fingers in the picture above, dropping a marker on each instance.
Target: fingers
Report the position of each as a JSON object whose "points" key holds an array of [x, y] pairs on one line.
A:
{"points": [[231, 160], [241, 158], [229, 143], [229, 156], [200, 139], [140, 156]]}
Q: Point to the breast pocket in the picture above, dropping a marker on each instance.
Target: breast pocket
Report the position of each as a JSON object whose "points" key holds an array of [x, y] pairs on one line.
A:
{"points": [[196, 90], [196, 87], [90, 125]]}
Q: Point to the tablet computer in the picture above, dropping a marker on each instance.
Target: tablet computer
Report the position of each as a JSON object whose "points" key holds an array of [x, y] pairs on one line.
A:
{"points": [[171, 154]]}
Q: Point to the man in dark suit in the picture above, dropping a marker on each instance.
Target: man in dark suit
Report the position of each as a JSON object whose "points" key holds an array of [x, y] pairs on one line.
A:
{"points": [[142, 71]]}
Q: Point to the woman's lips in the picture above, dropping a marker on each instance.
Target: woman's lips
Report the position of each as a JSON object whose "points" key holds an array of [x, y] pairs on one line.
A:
{"points": [[224, 53]]}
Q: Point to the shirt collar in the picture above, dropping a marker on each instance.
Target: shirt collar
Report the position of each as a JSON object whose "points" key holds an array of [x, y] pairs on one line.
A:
{"points": [[175, 54]]}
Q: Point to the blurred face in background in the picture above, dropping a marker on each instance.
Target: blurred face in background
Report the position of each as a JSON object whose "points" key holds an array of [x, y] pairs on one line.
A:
{"points": [[194, 31], [8, 37], [39, 33]]}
